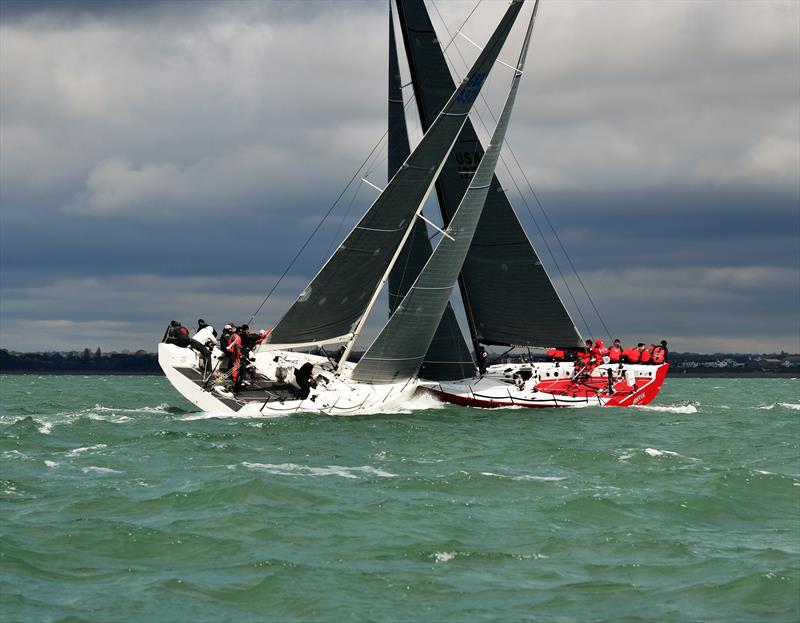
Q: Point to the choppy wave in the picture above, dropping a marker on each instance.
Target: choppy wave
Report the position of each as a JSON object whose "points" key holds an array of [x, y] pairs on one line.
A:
{"points": [[653, 453], [83, 449], [94, 469], [447, 556], [293, 469], [690, 408], [792, 406], [418, 402], [656, 452], [525, 477], [220, 415]]}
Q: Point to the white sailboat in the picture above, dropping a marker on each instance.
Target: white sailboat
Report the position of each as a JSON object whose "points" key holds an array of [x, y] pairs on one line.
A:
{"points": [[334, 307]]}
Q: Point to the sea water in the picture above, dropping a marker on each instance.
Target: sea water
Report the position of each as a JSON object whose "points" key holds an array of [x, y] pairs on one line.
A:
{"points": [[121, 502]]}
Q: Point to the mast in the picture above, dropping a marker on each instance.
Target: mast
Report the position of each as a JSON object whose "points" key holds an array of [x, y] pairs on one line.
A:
{"points": [[419, 165], [504, 284], [448, 357], [400, 348]]}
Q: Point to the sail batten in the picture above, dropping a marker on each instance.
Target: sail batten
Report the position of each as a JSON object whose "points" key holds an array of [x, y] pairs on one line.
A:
{"points": [[507, 294]]}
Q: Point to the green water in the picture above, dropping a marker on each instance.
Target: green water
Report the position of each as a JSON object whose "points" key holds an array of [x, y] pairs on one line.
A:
{"points": [[121, 503]]}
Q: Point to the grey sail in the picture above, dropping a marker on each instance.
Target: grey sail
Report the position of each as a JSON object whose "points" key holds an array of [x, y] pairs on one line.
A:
{"points": [[398, 351], [336, 299], [448, 357], [508, 297]]}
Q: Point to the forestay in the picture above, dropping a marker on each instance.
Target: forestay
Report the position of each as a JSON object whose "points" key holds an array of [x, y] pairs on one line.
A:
{"points": [[509, 298], [339, 295], [400, 348]]}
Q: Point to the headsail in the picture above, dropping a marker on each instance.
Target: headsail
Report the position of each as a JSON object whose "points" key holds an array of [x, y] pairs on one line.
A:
{"points": [[509, 298], [400, 348], [448, 357], [337, 298]]}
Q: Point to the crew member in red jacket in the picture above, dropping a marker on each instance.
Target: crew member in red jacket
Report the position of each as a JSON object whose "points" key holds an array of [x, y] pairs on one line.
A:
{"points": [[660, 353], [615, 352], [235, 349], [632, 355]]}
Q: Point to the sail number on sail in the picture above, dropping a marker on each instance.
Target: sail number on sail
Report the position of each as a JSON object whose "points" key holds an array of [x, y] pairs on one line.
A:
{"points": [[469, 94]]}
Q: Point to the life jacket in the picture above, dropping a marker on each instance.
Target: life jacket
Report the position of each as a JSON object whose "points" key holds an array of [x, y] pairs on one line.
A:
{"points": [[235, 343], [658, 355], [599, 354], [646, 355], [614, 353], [631, 354], [556, 354], [181, 336]]}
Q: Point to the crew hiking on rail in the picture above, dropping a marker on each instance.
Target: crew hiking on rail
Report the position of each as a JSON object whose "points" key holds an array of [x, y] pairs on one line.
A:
{"points": [[595, 353]]}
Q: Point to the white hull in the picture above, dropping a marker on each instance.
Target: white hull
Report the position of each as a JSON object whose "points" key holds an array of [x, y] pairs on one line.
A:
{"points": [[268, 397], [552, 385]]}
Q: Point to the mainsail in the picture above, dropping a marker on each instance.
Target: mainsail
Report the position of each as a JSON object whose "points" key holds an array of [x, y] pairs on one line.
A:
{"points": [[448, 357], [340, 294], [401, 346], [508, 297]]}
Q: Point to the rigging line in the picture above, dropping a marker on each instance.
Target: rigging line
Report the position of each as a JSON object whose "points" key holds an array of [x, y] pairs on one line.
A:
{"points": [[557, 237], [533, 218], [341, 221], [453, 38], [316, 229], [549, 250]]}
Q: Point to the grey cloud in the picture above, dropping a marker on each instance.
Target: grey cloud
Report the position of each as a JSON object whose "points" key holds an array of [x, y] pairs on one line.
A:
{"points": [[204, 140]]}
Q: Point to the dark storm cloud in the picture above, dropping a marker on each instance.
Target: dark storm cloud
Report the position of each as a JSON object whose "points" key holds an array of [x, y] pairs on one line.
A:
{"points": [[21, 9], [162, 158]]}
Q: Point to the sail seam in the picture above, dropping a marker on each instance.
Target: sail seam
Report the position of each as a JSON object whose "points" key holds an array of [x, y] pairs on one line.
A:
{"points": [[375, 229], [431, 288], [394, 358]]}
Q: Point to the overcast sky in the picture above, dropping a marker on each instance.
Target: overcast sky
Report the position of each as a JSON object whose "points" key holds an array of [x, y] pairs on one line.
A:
{"points": [[164, 160]]}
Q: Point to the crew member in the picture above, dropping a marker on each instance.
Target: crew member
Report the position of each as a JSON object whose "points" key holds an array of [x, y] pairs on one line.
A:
{"points": [[222, 344], [646, 353], [177, 334], [234, 349], [248, 343], [555, 354], [660, 353], [600, 352], [482, 357], [615, 352], [586, 356], [303, 376], [203, 341], [631, 355]]}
